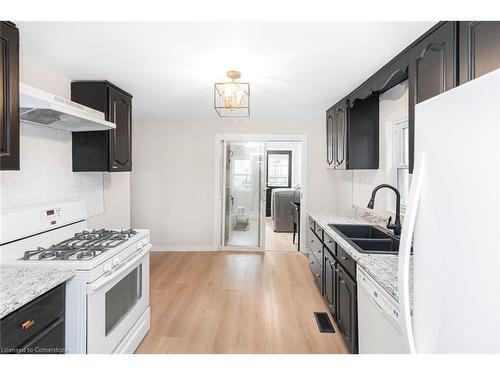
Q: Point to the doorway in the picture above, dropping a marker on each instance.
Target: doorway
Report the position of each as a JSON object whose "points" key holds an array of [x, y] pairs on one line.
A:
{"points": [[243, 201], [283, 195], [257, 179]]}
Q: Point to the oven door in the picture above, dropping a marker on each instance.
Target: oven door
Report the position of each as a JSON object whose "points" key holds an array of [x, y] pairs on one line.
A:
{"points": [[116, 301]]}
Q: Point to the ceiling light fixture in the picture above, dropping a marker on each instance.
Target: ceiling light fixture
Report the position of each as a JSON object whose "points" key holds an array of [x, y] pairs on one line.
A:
{"points": [[232, 99]]}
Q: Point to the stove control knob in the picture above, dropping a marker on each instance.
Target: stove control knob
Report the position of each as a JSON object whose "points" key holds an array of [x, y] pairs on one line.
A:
{"points": [[116, 262], [107, 267]]}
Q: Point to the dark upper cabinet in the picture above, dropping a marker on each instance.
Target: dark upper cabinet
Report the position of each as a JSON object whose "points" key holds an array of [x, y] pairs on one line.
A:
{"points": [[346, 309], [479, 48], [120, 113], [432, 70], [103, 150], [329, 138], [9, 96], [363, 134], [340, 125], [352, 134]]}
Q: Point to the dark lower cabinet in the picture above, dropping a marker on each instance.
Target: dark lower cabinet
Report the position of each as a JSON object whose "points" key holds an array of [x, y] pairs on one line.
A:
{"points": [[9, 96], [334, 272], [103, 150], [432, 70], [346, 309], [479, 48], [37, 327], [330, 285], [316, 267]]}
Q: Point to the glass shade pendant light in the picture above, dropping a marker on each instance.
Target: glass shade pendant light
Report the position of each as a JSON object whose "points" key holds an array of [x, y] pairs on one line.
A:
{"points": [[232, 99]]}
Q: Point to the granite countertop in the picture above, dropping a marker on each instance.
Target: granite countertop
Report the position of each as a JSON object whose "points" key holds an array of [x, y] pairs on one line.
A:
{"points": [[383, 268], [20, 285]]}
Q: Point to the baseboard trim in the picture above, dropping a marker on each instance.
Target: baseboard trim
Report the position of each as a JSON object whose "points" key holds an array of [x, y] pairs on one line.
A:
{"points": [[160, 248]]}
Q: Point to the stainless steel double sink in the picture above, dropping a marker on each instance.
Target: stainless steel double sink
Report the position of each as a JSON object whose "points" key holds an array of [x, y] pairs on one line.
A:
{"points": [[369, 239]]}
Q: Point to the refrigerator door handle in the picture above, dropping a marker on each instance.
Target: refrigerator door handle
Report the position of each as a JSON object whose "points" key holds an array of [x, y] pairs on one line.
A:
{"points": [[405, 249]]}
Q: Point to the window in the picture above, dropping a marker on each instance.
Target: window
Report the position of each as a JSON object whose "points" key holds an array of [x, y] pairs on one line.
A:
{"points": [[279, 168], [241, 176], [400, 143]]}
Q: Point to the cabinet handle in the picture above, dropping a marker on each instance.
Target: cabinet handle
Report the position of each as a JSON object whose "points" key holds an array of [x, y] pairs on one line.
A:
{"points": [[311, 241], [344, 257], [318, 275], [27, 324], [312, 262], [338, 270]]}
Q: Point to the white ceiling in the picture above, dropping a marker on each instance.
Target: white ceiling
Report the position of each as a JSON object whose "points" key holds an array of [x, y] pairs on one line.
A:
{"points": [[295, 70]]}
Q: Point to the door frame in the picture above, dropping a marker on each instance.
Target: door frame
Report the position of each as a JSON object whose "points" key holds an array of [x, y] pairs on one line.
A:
{"points": [[219, 181]]}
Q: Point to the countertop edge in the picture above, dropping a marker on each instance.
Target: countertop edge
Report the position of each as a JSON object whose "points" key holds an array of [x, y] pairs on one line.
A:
{"points": [[42, 281], [363, 260]]}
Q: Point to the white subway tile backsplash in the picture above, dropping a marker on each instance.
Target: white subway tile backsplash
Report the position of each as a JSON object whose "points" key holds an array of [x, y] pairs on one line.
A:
{"points": [[46, 173]]}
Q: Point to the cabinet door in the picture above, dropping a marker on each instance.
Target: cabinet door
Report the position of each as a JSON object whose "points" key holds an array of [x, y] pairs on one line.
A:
{"points": [[432, 71], [329, 138], [341, 137], [479, 48], [9, 97], [120, 113], [329, 275], [346, 309]]}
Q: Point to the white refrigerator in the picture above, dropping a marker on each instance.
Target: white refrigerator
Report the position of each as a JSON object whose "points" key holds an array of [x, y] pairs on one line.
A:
{"points": [[453, 217]]}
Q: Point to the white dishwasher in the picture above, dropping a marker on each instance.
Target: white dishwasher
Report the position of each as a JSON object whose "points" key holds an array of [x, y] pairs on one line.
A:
{"points": [[379, 326]]}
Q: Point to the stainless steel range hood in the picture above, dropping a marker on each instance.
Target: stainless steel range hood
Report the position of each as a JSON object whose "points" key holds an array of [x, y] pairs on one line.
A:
{"points": [[41, 108]]}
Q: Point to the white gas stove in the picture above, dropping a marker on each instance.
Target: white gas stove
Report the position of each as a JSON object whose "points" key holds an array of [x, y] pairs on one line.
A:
{"points": [[107, 302]]}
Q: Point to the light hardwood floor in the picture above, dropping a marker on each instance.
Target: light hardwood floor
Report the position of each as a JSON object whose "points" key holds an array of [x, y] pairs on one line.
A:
{"points": [[227, 302], [278, 241]]}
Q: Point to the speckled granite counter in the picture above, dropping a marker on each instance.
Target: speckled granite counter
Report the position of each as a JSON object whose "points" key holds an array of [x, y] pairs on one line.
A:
{"points": [[20, 285], [383, 268]]}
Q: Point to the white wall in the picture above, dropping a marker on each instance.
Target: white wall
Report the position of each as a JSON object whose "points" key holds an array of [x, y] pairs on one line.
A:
{"points": [[46, 174], [296, 148], [116, 191], [172, 182], [357, 186]]}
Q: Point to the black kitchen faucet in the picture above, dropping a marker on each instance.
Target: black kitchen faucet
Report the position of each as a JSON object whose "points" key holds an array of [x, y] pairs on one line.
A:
{"points": [[397, 223]]}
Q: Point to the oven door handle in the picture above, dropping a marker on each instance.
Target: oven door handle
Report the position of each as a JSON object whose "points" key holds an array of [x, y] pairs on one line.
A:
{"points": [[116, 272]]}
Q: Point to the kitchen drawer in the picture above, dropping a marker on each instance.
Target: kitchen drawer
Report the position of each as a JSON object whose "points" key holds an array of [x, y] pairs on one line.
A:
{"points": [[319, 231], [314, 245], [347, 262], [22, 325], [317, 271], [311, 223], [49, 341], [329, 243]]}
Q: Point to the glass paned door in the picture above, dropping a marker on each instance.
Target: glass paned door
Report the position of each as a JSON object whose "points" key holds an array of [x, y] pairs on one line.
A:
{"points": [[243, 189], [279, 168]]}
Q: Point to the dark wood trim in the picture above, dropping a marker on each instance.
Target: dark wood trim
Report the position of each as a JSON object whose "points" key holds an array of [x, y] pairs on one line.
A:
{"points": [[105, 83], [290, 161]]}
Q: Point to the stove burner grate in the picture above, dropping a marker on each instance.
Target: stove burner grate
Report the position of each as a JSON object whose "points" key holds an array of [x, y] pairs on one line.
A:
{"points": [[82, 246]]}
